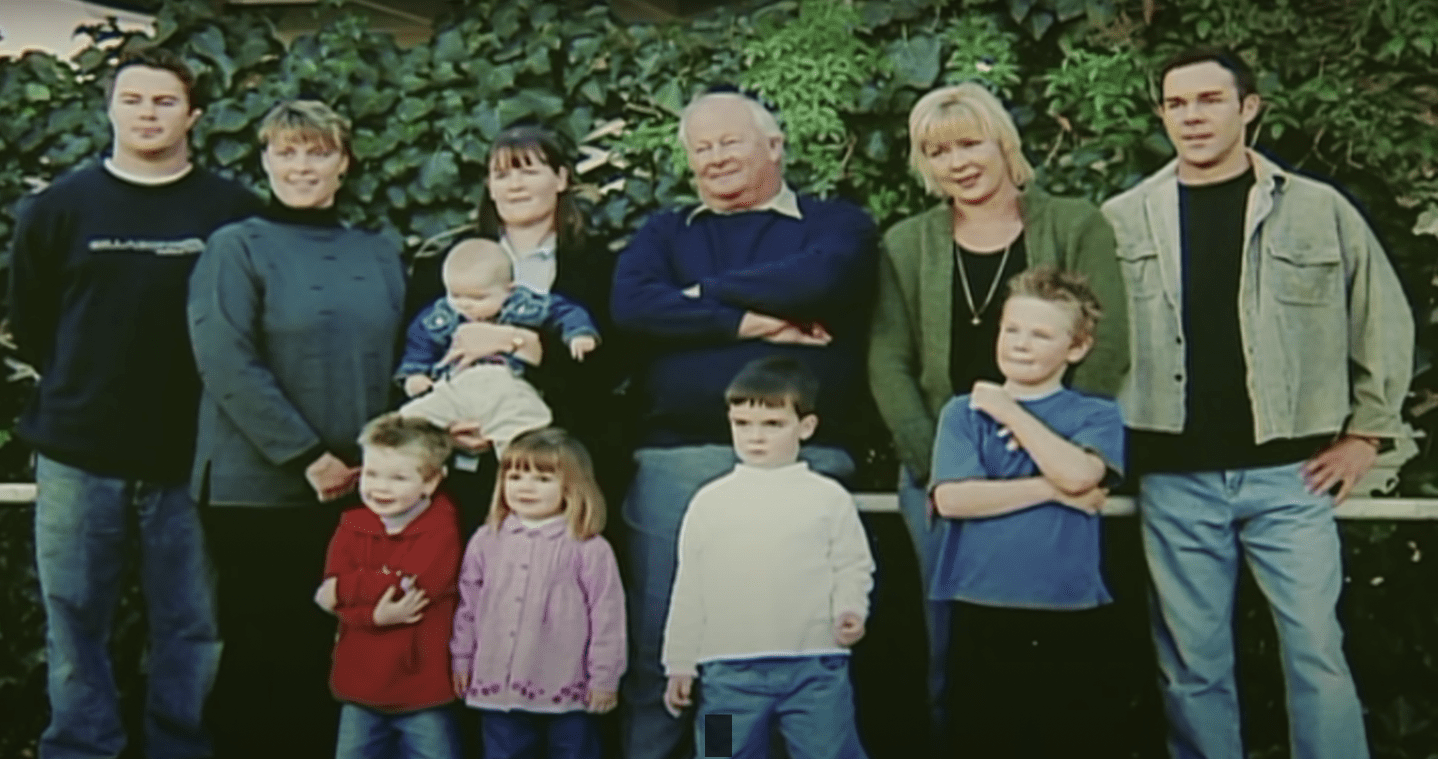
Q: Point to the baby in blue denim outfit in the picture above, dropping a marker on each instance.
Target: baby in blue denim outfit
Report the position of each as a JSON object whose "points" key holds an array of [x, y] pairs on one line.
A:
{"points": [[479, 287]]}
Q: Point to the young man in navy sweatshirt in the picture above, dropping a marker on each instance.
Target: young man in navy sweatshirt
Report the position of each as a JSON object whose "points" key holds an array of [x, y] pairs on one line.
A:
{"points": [[753, 270], [101, 262]]}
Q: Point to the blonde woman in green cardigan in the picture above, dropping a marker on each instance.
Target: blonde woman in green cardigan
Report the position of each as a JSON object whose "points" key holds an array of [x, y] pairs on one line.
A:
{"points": [[940, 293]]}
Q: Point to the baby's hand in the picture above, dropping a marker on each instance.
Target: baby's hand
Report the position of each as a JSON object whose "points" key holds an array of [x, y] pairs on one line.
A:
{"points": [[327, 596], [601, 701], [580, 346], [848, 629], [404, 610], [459, 679], [416, 384], [677, 693]]}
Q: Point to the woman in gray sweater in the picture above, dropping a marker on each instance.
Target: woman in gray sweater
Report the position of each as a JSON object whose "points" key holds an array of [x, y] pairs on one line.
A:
{"points": [[293, 317]]}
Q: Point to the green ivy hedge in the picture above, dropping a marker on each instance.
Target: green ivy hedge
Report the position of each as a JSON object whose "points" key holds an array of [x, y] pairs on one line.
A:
{"points": [[1350, 96]]}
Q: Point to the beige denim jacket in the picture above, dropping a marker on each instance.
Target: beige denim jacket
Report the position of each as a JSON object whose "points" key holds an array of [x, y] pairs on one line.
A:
{"points": [[1327, 333]]}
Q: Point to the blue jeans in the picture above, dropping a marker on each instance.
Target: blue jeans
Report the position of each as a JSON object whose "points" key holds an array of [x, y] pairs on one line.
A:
{"points": [[81, 520], [530, 735], [424, 734], [810, 698], [914, 507], [1197, 526], [664, 483]]}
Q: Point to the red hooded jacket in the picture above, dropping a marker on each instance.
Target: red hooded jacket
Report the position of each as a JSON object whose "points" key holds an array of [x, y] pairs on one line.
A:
{"points": [[394, 668]]}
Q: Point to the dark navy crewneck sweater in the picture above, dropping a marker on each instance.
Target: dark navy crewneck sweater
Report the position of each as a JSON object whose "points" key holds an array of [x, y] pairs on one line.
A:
{"points": [[817, 269], [97, 306]]}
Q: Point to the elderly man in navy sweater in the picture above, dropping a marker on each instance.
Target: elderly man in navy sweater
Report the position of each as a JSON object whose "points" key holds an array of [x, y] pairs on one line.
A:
{"points": [[753, 270]]}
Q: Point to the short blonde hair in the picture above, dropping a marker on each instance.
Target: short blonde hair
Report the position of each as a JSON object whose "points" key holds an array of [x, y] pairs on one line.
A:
{"points": [[1063, 287], [480, 258], [553, 450], [306, 121], [949, 112], [413, 435]]}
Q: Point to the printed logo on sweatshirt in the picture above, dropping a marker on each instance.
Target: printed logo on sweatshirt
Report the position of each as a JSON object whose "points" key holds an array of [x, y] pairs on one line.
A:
{"points": [[189, 246]]}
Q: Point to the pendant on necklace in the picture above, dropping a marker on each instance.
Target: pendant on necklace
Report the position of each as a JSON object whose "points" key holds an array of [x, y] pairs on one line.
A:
{"points": [[975, 320]]}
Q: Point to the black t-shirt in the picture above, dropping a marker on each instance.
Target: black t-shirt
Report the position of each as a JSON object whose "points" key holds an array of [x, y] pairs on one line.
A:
{"points": [[971, 346], [1218, 409]]}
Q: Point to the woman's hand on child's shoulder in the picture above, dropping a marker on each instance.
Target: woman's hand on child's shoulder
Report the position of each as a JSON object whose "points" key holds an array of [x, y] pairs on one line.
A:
{"points": [[601, 701]]}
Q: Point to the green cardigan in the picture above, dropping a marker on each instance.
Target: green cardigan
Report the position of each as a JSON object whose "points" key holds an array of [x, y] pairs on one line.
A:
{"points": [[909, 343]]}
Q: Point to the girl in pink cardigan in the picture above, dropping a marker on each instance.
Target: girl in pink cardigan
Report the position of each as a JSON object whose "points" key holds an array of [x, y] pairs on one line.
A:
{"points": [[539, 641]]}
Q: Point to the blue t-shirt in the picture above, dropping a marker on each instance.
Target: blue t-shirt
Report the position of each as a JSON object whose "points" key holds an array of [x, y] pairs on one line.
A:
{"points": [[1042, 557]]}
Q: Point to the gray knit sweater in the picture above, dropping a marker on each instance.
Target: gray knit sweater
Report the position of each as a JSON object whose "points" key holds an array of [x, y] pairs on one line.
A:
{"points": [[294, 327]]}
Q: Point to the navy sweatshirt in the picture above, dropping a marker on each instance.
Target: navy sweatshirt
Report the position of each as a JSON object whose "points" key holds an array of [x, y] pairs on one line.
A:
{"points": [[97, 306], [817, 269]]}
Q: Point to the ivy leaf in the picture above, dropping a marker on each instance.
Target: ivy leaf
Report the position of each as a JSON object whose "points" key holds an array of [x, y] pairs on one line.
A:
{"points": [[1040, 23], [669, 98], [37, 92], [1069, 9], [486, 116], [227, 117], [413, 109], [1427, 221], [449, 47], [211, 44], [592, 91], [915, 60], [228, 150], [440, 170], [1019, 9]]}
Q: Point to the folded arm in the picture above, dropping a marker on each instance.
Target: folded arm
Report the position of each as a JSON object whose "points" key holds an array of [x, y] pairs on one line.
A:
{"points": [[802, 285]]}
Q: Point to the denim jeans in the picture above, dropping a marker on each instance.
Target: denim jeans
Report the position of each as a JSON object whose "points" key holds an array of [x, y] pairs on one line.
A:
{"points": [[528, 735], [1197, 526], [810, 698], [424, 734], [81, 520], [914, 507], [663, 485]]}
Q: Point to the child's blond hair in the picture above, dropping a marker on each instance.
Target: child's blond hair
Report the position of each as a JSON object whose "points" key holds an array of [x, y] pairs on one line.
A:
{"points": [[479, 259], [1065, 287], [551, 449], [413, 435]]}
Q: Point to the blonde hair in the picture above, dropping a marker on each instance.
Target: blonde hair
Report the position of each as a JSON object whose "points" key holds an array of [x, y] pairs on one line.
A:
{"points": [[480, 258], [413, 435], [553, 450], [1063, 287], [949, 112], [306, 121]]}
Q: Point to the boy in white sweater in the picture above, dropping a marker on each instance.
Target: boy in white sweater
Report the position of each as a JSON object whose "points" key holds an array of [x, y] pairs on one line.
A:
{"points": [[773, 582]]}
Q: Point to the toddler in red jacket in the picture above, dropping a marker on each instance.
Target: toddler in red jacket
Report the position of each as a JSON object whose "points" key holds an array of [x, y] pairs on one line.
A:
{"points": [[390, 577]]}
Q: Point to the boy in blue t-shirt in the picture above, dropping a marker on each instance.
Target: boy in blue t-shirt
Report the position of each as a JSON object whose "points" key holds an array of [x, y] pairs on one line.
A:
{"points": [[1020, 473]]}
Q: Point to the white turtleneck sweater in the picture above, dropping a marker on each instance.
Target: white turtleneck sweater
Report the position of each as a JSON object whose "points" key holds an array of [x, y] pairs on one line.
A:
{"points": [[768, 560]]}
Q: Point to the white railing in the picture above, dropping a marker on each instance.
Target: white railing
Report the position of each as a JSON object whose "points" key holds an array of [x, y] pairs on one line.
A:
{"points": [[23, 493]]}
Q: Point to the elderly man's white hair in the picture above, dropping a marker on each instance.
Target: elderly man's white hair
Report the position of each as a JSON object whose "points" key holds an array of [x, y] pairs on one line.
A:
{"points": [[763, 119]]}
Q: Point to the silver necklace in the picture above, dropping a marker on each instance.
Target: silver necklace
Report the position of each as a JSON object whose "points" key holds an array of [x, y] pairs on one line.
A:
{"points": [[993, 286]]}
